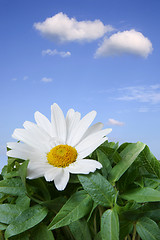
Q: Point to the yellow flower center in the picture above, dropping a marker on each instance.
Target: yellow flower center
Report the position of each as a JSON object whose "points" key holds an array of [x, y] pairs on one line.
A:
{"points": [[62, 156]]}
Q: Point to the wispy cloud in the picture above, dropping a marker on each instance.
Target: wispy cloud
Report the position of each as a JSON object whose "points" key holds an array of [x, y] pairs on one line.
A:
{"points": [[155, 86], [46, 80], [147, 94], [14, 79], [19, 79], [127, 42], [112, 121], [25, 78], [143, 109], [55, 52], [61, 28]]}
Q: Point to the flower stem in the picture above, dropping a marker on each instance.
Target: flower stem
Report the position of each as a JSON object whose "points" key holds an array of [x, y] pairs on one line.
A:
{"points": [[95, 224], [100, 211], [134, 232]]}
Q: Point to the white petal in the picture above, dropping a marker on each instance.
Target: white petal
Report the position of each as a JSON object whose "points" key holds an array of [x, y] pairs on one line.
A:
{"points": [[51, 173], [90, 140], [84, 166], [82, 127], [35, 173], [22, 135], [29, 125], [36, 131], [62, 179], [36, 164], [31, 138], [69, 117], [37, 169], [88, 150], [18, 154], [19, 146], [93, 129], [69, 120], [72, 121], [28, 155], [58, 122], [43, 122], [23, 151], [38, 157]]}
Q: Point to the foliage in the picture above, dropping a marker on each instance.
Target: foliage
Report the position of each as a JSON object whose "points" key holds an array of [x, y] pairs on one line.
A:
{"points": [[120, 201]]}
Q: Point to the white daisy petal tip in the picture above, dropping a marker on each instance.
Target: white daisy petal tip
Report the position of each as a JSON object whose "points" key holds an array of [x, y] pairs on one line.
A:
{"points": [[94, 112], [61, 180], [8, 144], [84, 166], [109, 130], [96, 166], [99, 165], [55, 105], [36, 114], [14, 135]]}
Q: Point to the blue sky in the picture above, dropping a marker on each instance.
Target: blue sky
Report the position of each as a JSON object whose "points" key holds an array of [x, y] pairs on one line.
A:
{"points": [[88, 54]]}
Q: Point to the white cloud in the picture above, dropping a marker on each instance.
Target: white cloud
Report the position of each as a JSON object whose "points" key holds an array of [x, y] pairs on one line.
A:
{"points": [[25, 78], [127, 42], [61, 28], [112, 121], [143, 109], [155, 86], [45, 79], [14, 79], [55, 52], [148, 94]]}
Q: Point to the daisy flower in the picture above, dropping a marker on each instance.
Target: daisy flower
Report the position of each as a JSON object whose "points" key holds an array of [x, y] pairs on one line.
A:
{"points": [[60, 147]]}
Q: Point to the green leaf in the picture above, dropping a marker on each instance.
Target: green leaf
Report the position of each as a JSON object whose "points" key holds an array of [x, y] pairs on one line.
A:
{"points": [[110, 225], [103, 159], [23, 171], [24, 201], [110, 144], [148, 229], [92, 210], [12, 174], [98, 236], [12, 186], [2, 226], [26, 220], [10, 160], [111, 153], [123, 146], [151, 210], [55, 204], [98, 188], [4, 171], [80, 230], [40, 184], [141, 195], [150, 162], [125, 228], [78, 205], [129, 154], [1, 195], [41, 232], [21, 236], [8, 212], [151, 182]]}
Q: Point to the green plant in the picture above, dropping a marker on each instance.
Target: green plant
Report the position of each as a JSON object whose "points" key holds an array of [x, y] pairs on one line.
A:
{"points": [[120, 201]]}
